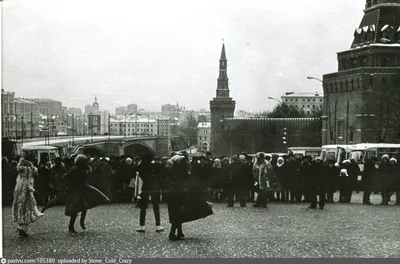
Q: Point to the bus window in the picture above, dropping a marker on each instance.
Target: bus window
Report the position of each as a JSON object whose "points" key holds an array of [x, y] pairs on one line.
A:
{"points": [[44, 157], [331, 156], [371, 154], [357, 156]]}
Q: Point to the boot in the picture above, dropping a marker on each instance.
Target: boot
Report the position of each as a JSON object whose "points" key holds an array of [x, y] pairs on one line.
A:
{"points": [[71, 228], [22, 233], [82, 221], [180, 233]]}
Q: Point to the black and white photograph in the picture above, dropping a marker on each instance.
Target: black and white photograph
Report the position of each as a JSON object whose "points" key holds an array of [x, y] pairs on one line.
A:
{"points": [[199, 129]]}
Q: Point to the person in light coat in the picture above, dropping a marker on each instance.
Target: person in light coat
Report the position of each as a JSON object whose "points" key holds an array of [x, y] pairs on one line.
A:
{"points": [[262, 170], [24, 207]]}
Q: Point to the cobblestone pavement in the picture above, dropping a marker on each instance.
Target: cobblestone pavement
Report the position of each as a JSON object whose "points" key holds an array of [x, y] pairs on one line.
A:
{"points": [[282, 230]]}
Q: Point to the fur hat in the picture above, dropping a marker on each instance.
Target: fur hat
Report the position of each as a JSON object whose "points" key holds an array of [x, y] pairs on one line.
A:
{"points": [[344, 171], [81, 160], [386, 156], [346, 162], [393, 159], [129, 161]]}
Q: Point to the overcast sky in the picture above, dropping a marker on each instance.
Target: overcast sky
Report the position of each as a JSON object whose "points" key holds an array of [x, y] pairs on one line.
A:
{"points": [[167, 51]]}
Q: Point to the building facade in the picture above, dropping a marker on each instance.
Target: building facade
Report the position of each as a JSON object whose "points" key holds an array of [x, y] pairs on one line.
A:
{"points": [[131, 126], [122, 110], [307, 102], [132, 108], [222, 106], [204, 136], [370, 66]]}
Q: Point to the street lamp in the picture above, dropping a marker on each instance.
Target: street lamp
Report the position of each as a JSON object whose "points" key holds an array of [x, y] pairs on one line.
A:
{"points": [[314, 78], [272, 98]]}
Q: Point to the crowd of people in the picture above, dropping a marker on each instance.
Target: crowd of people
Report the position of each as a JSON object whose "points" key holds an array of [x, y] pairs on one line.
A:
{"points": [[240, 178], [223, 179]]}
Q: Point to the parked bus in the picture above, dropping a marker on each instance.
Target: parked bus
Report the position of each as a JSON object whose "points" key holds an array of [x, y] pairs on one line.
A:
{"points": [[336, 153], [361, 152], [300, 152], [41, 153]]}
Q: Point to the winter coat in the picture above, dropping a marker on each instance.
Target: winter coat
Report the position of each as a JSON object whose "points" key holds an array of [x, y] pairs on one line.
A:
{"points": [[24, 207], [81, 196], [384, 175], [57, 177], [262, 173]]}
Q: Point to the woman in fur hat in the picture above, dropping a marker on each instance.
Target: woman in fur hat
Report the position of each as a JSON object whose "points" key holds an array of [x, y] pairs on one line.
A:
{"points": [[24, 207], [80, 196]]}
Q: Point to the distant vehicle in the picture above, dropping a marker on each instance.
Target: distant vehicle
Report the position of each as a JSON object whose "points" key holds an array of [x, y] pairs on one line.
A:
{"points": [[41, 153], [335, 153], [300, 152], [10, 149], [361, 152]]}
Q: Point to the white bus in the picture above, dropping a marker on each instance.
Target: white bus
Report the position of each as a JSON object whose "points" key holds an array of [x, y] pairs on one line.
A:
{"points": [[335, 153], [41, 153], [361, 152], [300, 152]]}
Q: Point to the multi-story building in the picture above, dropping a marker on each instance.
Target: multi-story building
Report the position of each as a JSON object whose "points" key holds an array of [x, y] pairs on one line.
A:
{"points": [[7, 113], [307, 102], [163, 127], [132, 109], [204, 136], [130, 125], [122, 110], [370, 67], [74, 111], [48, 106], [169, 110], [27, 114], [221, 106]]}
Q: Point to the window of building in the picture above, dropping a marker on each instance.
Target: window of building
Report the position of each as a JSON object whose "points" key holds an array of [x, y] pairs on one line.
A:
{"points": [[351, 136], [308, 100], [313, 100]]}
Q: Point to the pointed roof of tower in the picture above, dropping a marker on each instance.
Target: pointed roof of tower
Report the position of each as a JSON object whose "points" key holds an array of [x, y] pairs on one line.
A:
{"points": [[223, 54]]}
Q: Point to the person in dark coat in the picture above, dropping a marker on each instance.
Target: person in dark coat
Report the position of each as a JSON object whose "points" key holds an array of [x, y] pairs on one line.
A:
{"points": [[238, 181], [43, 181], [185, 204], [354, 172], [368, 180], [332, 180], [150, 173], [6, 180], [317, 186], [281, 173], [395, 174], [343, 185], [295, 180], [78, 193], [384, 177], [308, 177], [177, 178]]}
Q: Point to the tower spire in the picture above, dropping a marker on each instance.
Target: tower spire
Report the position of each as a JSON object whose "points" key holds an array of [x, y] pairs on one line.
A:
{"points": [[223, 81]]}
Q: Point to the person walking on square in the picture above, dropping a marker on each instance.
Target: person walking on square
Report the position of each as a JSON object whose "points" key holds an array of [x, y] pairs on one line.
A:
{"points": [[80, 196], [150, 173], [24, 207]]}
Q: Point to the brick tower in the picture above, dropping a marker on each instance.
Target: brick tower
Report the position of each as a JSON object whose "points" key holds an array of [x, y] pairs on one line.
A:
{"points": [[221, 106], [370, 66]]}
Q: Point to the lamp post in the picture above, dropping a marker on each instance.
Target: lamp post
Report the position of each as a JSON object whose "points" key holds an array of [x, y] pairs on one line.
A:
{"points": [[314, 78], [272, 98]]}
